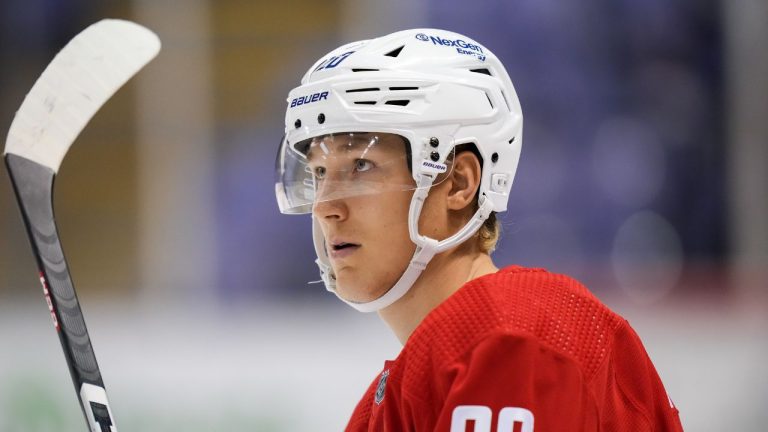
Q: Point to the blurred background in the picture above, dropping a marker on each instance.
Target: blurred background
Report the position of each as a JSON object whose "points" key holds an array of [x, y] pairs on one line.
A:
{"points": [[643, 174]]}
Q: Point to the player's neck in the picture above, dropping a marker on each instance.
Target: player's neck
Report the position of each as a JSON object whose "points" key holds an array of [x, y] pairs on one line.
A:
{"points": [[445, 274]]}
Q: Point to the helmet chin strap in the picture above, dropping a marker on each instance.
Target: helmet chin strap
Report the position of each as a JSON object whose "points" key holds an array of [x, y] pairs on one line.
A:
{"points": [[426, 249]]}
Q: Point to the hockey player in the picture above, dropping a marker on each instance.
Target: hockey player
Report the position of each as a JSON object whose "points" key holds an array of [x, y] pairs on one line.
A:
{"points": [[403, 148]]}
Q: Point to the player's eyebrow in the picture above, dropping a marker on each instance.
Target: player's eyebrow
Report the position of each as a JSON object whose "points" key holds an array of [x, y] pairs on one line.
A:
{"points": [[350, 143]]}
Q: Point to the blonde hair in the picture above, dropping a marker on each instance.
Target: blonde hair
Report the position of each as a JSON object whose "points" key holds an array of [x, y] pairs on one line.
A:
{"points": [[488, 234]]}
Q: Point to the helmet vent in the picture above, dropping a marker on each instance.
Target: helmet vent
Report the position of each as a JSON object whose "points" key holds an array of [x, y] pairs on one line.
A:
{"points": [[359, 90], [484, 71], [395, 52], [489, 99], [403, 88], [398, 102], [364, 70], [365, 102]]}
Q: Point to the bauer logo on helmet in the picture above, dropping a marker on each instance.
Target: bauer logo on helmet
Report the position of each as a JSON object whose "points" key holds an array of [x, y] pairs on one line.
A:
{"points": [[303, 100], [433, 167]]}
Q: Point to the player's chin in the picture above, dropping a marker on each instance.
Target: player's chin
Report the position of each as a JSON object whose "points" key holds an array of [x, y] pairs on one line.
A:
{"points": [[356, 289]]}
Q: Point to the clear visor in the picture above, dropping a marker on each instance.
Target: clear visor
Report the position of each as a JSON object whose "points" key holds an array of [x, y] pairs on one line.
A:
{"points": [[345, 165]]}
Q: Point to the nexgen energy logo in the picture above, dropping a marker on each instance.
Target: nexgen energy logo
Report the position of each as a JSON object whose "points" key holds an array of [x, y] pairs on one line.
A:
{"points": [[462, 46]]}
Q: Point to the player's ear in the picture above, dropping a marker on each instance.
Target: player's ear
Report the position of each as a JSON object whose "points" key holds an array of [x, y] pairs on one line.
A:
{"points": [[465, 180]]}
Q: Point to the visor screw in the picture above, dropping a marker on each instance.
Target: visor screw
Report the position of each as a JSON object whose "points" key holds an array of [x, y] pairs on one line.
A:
{"points": [[321, 118], [434, 142], [435, 156], [495, 157], [297, 123]]}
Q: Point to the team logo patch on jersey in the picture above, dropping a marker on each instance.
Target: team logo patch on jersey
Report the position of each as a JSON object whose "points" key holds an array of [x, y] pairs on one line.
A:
{"points": [[380, 388]]}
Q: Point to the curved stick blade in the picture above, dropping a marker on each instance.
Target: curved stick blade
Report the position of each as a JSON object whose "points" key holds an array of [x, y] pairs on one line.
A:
{"points": [[79, 80]]}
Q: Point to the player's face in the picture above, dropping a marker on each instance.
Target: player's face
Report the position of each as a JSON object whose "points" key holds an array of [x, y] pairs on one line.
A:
{"points": [[366, 234]]}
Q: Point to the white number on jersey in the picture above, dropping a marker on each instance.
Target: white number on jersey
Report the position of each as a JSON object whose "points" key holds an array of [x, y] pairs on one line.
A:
{"points": [[482, 416]]}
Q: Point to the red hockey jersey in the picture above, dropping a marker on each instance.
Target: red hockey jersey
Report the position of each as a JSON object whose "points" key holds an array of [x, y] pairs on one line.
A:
{"points": [[519, 350]]}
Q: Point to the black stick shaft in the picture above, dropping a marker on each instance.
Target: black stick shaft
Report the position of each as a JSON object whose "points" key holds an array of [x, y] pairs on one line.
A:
{"points": [[33, 185]]}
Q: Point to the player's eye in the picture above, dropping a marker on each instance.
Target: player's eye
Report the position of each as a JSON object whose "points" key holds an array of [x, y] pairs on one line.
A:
{"points": [[319, 172], [362, 165]]}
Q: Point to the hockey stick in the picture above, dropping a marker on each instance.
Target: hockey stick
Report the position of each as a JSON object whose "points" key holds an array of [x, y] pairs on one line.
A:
{"points": [[79, 80]]}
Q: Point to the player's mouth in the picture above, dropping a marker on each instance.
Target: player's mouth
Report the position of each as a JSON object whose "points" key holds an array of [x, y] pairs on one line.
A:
{"points": [[341, 249]]}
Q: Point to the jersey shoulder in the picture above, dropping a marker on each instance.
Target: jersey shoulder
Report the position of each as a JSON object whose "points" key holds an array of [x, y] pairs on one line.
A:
{"points": [[551, 309], [524, 329]]}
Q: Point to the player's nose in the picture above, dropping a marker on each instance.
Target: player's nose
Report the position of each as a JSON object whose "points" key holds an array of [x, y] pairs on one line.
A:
{"points": [[330, 209]]}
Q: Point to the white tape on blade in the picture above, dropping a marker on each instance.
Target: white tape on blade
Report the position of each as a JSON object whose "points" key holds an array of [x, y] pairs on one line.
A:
{"points": [[79, 80]]}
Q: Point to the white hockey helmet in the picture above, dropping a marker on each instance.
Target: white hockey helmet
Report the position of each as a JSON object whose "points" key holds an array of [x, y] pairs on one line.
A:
{"points": [[434, 88]]}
